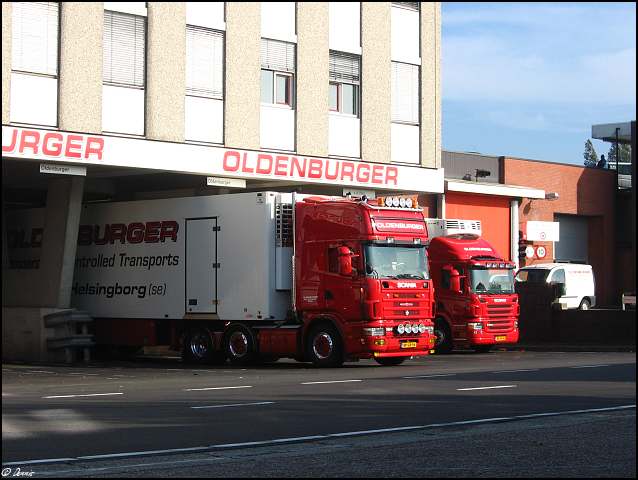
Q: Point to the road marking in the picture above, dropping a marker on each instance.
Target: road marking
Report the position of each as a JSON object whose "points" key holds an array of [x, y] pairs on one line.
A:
{"points": [[214, 388], [39, 371], [514, 371], [316, 437], [591, 366], [333, 381], [432, 376], [486, 388], [235, 405], [82, 374], [86, 395]]}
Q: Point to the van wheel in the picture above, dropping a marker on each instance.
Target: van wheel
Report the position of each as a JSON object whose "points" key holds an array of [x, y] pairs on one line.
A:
{"points": [[324, 346], [239, 345], [585, 305], [199, 347], [443, 343]]}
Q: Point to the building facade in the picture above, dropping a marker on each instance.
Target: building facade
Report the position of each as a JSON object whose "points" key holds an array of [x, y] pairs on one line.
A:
{"points": [[131, 100]]}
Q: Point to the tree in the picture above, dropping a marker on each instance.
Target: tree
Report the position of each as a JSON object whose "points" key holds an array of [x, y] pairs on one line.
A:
{"points": [[624, 154], [590, 154]]}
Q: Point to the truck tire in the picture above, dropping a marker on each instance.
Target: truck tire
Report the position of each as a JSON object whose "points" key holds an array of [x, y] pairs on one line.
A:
{"points": [[325, 348], [443, 343], [482, 348], [199, 347], [390, 361], [239, 345]]}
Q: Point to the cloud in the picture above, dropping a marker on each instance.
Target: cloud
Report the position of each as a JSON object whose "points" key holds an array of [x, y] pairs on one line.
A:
{"points": [[539, 53]]}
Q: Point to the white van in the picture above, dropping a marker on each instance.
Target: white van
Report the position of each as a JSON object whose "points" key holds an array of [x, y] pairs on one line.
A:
{"points": [[574, 285]]}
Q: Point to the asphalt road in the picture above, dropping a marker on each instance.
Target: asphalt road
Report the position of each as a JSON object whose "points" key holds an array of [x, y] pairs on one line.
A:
{"points": [[290, 419]]}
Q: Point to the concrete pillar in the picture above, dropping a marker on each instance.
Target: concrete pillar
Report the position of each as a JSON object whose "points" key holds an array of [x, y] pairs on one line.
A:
{"points": [[81, 43], [59, 241], [243, 75], [431, 84], [166, 71], [312, 106], [376, 82]]}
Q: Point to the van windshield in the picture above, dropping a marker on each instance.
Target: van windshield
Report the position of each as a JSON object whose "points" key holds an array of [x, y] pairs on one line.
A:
{"points": [[535, 275], [491, 280]]}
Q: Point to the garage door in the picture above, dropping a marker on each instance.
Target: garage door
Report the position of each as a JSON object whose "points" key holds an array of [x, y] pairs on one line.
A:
{"points": [[573, 244]]}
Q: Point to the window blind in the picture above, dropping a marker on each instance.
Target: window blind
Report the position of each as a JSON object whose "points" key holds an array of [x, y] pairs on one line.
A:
{"points": [[344, 67], [276, 55], [35, 38], [124, 49], [204, 62], [405, 93]]}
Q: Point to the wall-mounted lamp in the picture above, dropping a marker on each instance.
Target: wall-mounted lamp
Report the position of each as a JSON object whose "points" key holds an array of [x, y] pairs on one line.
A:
{"points": [[551, 196], [482, 173]]}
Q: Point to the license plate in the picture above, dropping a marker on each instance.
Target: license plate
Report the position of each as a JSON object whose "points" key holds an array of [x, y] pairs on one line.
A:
{"points": [[409, 345], [500, 338]]}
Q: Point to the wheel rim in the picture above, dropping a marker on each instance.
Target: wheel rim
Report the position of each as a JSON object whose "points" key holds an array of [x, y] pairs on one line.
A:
{"points": [[238, 344], [440, 337], [199, 344], [322, 345]]}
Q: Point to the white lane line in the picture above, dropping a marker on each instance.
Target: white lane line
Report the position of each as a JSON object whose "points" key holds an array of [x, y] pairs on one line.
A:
{"points": [[86, 395], [486, 388], [432, 376], [214, 388], [316, 437], [234, 405], [39, 371], [87, 374], [333, 381], [515, 371], [591, 366]]}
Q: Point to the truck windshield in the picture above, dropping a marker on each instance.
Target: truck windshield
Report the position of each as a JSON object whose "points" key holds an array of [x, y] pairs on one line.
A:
{"points": [[491, 280], [396, 261], [535, 275]]}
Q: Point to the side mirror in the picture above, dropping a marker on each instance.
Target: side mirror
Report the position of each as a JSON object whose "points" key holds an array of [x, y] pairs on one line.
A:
{"points": [[345, 265], [345, 261]]}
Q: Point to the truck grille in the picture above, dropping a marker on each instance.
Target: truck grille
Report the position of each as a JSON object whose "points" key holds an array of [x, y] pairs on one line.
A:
{"points": [[498, 325], [500, 310]]}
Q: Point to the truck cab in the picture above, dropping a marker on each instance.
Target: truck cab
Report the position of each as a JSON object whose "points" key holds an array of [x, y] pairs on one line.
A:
{"points": [[474, 292], [361, 269]]}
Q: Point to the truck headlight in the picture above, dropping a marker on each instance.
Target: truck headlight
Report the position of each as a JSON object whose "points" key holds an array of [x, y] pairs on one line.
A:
{"points": [[475, 325], [421, 328], [401, 328], [374, 331]]}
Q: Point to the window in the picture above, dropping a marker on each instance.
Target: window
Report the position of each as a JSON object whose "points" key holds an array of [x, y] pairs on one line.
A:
{"points": [[35, 38], [204, 62], [124, 49], [405, 93], [344, 83], [277, 70]]}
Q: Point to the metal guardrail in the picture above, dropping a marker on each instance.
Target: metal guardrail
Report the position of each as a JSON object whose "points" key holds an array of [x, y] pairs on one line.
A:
{"points": [[66, 336]]}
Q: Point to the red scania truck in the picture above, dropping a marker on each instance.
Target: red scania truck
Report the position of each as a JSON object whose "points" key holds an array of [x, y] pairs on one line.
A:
{"points": [[476, 304], [257, 276]]}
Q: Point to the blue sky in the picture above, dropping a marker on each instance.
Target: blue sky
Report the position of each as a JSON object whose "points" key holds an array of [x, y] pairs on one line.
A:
{"points": [[528, 80]]}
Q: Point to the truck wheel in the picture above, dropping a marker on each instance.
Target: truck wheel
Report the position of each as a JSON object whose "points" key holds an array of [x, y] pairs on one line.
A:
{"points": [[443, 343], [482, 348], [199, 347], [585, 305], [324, 346], [390, 361], [239, 345]]}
